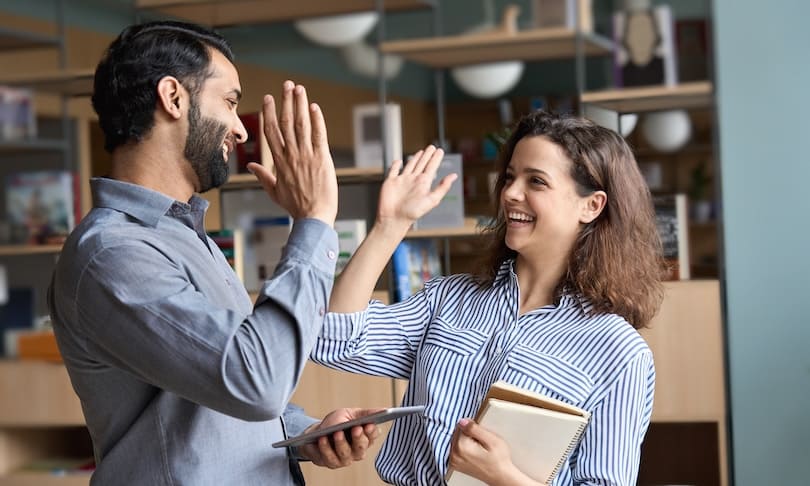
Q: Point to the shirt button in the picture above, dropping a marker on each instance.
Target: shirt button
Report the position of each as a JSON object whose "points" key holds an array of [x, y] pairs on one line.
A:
{"points": [[498, 350], [331, 255], [321, 311]]}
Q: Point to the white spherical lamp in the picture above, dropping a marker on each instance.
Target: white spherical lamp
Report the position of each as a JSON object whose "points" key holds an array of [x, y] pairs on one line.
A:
{"points": [[337, 30], [362, 59], [667, 131], [611, 119], [488, 80]]}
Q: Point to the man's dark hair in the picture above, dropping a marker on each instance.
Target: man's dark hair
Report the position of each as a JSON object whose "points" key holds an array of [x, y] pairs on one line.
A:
{"points": [[125, 85]]}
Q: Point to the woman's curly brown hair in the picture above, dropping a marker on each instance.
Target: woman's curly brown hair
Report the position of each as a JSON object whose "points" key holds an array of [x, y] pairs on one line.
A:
{"points": [[616, 262]]}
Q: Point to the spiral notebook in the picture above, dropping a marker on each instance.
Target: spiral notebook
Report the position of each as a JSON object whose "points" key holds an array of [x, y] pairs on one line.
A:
{"points": [[541, 431]]}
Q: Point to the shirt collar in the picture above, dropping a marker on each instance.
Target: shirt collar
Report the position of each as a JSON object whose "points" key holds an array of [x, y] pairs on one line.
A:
{"points": [[141, 203], [568, 299]]}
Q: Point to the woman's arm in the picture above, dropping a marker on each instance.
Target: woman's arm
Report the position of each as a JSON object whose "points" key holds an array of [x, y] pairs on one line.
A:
{"points": [[405, 196]]}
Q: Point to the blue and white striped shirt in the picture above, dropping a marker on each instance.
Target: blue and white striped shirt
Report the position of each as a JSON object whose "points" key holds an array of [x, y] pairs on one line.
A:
{"points": [[454, 339]]}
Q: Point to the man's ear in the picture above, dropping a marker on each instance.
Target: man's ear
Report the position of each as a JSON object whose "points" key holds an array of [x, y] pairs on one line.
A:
{"points": [[171, 96], [592, 206]]}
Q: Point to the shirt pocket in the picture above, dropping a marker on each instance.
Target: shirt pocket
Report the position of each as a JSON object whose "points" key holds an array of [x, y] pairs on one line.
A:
{"points": [[548, 375], [447, 337]]}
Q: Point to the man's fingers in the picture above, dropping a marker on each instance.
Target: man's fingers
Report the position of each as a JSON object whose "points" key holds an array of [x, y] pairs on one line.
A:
{"points": [[320, 139], [396, 166], [412, 162], [287, 118], [303, 129], [271, 128]]}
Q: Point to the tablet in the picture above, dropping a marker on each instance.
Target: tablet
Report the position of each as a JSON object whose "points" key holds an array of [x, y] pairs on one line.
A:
{"points": [[385, 415]]}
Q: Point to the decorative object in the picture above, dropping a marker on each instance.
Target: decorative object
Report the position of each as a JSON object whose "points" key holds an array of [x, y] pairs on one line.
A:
{"points": [[645, 52], [571, 14], [667, 131], [489, 80], [699, 184], [368, 139], [337, 30]]}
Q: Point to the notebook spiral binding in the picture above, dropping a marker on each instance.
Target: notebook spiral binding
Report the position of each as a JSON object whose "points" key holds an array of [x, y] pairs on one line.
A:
{"points": [[568, 451]]}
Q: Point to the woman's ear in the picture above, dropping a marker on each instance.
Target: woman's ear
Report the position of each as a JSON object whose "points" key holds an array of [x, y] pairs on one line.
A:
{"points": [[171, 96], [592, 206]]}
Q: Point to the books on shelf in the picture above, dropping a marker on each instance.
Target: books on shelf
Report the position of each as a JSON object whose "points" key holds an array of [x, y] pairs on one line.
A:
{"points": [[541, 431], [645, 52], [413, 263], [251, 150], [449, 213], [350, 232], [672, 221], [232, 245], [41, 206], [17, 115], [265, 242]]}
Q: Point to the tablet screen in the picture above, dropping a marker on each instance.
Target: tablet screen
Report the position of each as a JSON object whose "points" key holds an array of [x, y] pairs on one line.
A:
{"points": [[375, 418]]}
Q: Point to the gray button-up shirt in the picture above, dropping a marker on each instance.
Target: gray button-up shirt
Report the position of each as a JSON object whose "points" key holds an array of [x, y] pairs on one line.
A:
{"points": [[182, 380]]}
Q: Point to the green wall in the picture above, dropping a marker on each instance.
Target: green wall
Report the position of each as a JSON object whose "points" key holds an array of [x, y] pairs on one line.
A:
{"points": [[763, 78]]}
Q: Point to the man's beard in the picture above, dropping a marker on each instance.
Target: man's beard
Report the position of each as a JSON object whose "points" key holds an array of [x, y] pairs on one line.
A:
{"points": [[204, 148]]}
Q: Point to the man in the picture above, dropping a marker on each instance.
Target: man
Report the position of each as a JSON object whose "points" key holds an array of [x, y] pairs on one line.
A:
{"points": [[182, 380]]}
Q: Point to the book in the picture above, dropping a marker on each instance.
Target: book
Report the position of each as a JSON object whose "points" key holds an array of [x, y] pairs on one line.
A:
{"points": [[17, 115], [267, 239], [449, 213], [41, 206], [232, 245], [251, 150], [350, 232], [541, 431], [672, 221], [645, 52], [414, 262]]}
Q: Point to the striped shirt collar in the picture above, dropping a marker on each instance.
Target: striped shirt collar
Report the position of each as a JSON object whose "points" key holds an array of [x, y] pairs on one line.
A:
{"points": [[569, 299]]}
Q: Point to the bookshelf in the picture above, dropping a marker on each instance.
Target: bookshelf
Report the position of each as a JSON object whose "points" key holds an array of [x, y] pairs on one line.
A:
{"points": [[40, 415]]}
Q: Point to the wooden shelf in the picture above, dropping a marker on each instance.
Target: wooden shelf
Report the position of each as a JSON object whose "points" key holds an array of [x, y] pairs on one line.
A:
{"points": [[11, 39], [69, 82], [37, 394], [25, 478], [470, 228], [33, 145], [652, 98], [237, 12], [347, 175], [529, 45], [15, 250]]}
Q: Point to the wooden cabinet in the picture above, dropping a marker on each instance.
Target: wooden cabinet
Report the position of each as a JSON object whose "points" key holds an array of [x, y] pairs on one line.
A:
{"points": [[40, 419], [690, 397]]}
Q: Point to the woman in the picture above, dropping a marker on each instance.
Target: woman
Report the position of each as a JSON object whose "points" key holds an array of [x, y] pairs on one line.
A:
{"points": [[573, 270]]}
